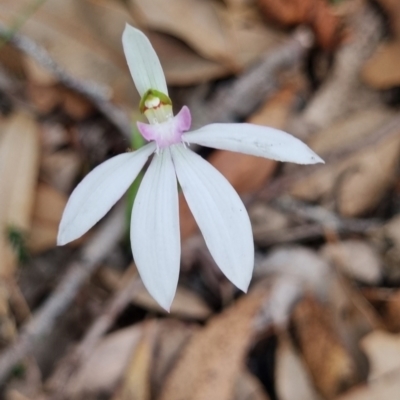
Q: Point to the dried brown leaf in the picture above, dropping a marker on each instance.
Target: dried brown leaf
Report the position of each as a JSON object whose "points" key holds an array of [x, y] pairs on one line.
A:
{"points": [[199, 25], [292, 378], [19, 168], [248, 387], [213, 359], [136, 382], [383, 351], [48, 209], [380, 71], [313, 325], [356, 259], [316, 13], [387, 388], [105, 366]]}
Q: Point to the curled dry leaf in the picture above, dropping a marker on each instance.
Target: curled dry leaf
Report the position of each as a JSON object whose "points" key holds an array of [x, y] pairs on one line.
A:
{"points": [[356, 259], [213, 359], [19, 168], [316, 13], [313, 327]]}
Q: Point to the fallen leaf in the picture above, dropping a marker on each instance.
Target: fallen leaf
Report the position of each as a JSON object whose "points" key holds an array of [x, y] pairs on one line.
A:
{"points": [[292, 379], [356, 259], [19, 168], [199, 25], [136, 381], [47, 212], [248, 387], [105, 366], [314, 330], [380, 70], [233, 37], [213, 359], [172, 337], [383, 351], [387, 388], [316, 13], [182, 66]]}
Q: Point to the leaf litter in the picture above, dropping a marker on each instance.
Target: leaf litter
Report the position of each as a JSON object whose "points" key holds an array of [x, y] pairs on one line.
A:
{"points": [[321, 319]]}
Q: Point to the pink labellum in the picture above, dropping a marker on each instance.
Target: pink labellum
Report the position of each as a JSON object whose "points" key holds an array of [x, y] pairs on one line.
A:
{"points": [[169, 132]]}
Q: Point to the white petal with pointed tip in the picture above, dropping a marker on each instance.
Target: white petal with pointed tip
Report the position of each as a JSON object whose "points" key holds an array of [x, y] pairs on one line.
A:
{"points": [[143, 62], [155, 237], [99, 191], [256, 140], [220, 214]]}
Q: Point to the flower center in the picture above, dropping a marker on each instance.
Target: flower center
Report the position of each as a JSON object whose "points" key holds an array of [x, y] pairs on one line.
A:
{"points": [[156, 106], [168, 132]]}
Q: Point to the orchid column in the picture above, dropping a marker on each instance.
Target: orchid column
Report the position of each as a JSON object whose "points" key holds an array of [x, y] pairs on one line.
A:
{"points": [[217, 208]]}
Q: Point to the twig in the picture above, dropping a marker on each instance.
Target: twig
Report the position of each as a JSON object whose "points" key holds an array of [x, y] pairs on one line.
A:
{"points": [[322, 220], [60, 379], [95, 93], [45, 317]]}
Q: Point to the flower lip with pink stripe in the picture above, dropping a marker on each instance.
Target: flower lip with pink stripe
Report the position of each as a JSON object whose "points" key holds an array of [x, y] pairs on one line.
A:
{"points": [[217, 208]]}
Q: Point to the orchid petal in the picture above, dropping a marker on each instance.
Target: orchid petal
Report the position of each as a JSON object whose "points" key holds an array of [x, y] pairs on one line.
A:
{"points": [[256, 140], [99, 191], [220, 214], [143, 62], [155, 237]]}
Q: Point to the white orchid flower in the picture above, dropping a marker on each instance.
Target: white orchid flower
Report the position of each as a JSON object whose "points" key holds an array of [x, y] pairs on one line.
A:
{"points": [[217, 208]]}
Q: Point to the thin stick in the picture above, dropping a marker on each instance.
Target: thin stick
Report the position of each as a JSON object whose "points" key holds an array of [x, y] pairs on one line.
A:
{"points": [[45, 317]]}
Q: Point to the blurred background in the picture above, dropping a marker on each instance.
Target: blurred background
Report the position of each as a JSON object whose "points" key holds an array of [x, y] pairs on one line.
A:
{"points": [[322, 317]]}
